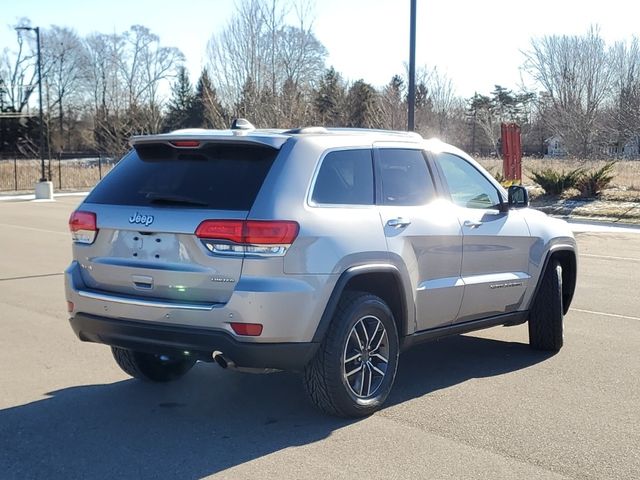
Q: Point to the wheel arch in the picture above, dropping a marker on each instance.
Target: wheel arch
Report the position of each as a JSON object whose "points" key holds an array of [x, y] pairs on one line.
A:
{"points": [[566, 256], [383, 280], [569, 264]]}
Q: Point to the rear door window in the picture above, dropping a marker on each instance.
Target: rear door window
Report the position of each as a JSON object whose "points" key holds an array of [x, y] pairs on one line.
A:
{"points": [[345, 178], [215, 176], [405, 177]]}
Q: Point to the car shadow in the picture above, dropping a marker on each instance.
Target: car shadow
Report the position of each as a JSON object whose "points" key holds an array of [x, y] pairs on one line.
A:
{"points": [[212, 419], [454, 360]]}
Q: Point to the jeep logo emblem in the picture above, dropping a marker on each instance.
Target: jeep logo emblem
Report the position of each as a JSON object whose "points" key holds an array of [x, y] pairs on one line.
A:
{"points": [[145, 220]]}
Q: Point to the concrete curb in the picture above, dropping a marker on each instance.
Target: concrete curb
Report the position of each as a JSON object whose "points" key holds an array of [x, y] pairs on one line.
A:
{"points": [[32, 197], [600, 210]]}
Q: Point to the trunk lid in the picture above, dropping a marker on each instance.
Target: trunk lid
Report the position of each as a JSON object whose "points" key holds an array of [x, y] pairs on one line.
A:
{"points": [[148, 209]]}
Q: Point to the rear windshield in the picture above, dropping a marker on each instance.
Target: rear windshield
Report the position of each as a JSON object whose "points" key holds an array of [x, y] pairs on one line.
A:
{"points": [[216, 176]]}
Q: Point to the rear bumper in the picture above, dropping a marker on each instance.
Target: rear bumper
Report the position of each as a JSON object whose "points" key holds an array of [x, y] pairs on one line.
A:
{"points": [[199, 342]]}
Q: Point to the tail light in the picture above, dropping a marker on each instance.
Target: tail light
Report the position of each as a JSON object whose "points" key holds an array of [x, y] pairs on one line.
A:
{"points": [[83, 226], [257, 237]]}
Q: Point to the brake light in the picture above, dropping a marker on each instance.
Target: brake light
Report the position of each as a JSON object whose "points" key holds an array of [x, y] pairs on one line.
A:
{"points": [[258, 237], [185, 143], [83, 226], [221, 230]]}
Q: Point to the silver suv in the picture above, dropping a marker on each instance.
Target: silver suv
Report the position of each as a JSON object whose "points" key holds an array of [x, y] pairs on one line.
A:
{"points": [[323, 251]]}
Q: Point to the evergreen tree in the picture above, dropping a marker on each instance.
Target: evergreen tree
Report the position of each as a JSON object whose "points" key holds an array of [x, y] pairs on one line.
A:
{"points": [[249, 101], [363, 106], [180, 113], [208, 111], [329, 99], [488, 112], [292, 105]]}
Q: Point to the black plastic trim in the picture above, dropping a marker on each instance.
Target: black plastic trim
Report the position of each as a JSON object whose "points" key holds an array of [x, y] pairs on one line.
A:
{"points": [[548, 256], [407, 313], [200, 342], [509, 319]]}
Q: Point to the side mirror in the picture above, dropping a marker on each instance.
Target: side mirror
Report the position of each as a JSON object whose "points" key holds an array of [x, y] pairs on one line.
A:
{"points": [[518, 197]]}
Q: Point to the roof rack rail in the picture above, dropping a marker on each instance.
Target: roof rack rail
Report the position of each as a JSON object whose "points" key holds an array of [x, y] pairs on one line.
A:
{"points": [[307, 130]]}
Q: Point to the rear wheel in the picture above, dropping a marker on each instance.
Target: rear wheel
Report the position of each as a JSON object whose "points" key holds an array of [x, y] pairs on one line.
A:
{"points": [[152, 367], [546, 319], [355, 367]]}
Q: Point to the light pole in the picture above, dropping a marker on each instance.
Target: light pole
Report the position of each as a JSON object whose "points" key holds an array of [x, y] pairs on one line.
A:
{"points": [[43, 178], [412, 68]]}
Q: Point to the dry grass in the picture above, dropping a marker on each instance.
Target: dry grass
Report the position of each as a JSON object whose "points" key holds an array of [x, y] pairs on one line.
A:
{"points": [[21, 175], [625, 184]]}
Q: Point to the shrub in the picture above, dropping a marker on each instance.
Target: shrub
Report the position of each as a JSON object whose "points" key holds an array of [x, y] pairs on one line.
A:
{"points": [[502, 180], [554, 182], [497, 174], [591, 184]]}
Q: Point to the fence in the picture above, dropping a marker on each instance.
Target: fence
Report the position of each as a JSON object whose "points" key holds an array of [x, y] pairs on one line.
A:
{"points": [[66, 173]]}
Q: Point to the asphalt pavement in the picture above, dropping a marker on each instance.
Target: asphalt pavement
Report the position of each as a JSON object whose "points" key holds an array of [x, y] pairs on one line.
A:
{"points": [[476, 406]]}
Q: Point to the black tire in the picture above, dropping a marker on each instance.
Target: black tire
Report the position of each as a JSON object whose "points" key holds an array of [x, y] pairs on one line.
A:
{"points": [[329, 378], [151, 367], [546, 319]]}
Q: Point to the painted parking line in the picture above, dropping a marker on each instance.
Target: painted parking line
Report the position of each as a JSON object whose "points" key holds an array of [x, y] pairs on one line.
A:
{"points": [[33, 228], [614, 315], [31, 197], [28, 277], [578, 227], [609, 257]]}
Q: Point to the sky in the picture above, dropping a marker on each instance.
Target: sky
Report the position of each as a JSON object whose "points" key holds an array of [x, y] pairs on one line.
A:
{"points": [[478, 44]]}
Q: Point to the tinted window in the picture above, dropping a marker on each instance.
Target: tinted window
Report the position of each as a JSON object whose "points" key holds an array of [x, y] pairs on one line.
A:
{"points": [[405, 177], [345, 178], [223, 177], [467, 186]]}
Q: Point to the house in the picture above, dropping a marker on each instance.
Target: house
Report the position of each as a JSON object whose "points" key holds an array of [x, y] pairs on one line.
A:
{"points": [[631, 149], [555, 147]]}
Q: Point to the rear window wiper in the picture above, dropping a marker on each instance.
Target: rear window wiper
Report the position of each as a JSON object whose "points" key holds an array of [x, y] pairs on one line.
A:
{"points": [[170, 199]]}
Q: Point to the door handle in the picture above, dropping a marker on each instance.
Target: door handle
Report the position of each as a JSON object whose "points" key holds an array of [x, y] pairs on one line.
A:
{"points": [[399, 222], [471, 224]]}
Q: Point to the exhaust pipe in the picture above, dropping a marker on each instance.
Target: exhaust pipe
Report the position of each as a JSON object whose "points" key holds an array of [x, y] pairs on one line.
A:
{"points": [[220, 360], [224, 362]]}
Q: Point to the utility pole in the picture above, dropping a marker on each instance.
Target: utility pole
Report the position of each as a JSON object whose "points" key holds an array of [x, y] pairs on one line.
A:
{"points": [[412, 68], [43, 178]]}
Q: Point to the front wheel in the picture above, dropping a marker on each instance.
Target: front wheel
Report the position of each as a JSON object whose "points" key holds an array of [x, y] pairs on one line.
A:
{"points": [[546, 319], [355, 367], [152, 367]]}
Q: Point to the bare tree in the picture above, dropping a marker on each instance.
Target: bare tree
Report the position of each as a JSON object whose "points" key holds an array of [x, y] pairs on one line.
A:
{"points": [[258, 53], [65, 60], [624, 111], [393, 105], [144, 64], [18, 72], [576, 73], [442, 100], [106, 91]]}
